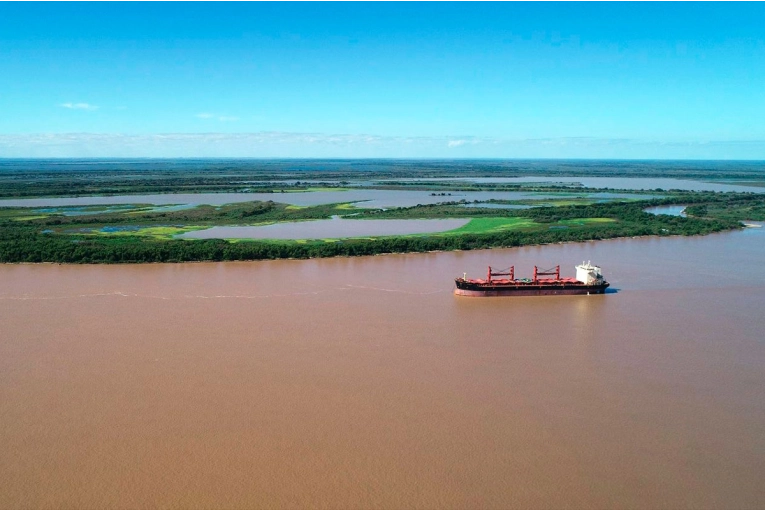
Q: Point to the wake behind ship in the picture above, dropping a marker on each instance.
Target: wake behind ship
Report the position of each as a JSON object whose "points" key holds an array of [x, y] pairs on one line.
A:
{"points": [[589, 280]]}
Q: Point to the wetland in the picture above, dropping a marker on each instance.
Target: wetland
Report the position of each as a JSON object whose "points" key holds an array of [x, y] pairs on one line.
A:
{"points": [[153, 211]]}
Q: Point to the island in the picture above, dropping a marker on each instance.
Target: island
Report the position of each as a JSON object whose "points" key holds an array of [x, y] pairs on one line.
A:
{"points": [[254, 210]]}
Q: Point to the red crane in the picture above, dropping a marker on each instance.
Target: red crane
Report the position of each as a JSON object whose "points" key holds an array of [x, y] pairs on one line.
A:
{"points": [[548, 272], [505, 272]]}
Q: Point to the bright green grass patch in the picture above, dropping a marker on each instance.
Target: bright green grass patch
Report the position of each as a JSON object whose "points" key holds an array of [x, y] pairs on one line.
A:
{"points": [[27, 218], [295, 207], [346, 207], [161, 232], [483, 225], [167, 232], [561, 203], [584, 221], [141, 210]]}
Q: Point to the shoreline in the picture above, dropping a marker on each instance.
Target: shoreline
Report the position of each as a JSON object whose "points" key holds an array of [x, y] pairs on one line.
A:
{"points": [[742, 227]]}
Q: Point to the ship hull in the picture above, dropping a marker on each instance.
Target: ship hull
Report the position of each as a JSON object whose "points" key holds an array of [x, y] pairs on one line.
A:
{"points": [[483, 290]]}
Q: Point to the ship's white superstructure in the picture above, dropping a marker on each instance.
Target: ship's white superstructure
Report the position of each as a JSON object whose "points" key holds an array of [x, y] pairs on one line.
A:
{"points": [[588, 274]]}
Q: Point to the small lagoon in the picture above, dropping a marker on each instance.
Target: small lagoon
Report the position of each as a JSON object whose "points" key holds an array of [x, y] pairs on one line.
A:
{"points": [[669, 210], [328, 229], [485, 205]]}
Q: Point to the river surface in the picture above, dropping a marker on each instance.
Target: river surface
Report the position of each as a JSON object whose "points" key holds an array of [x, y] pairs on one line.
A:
{"points": [[322, 229], [369, 198], [365, 383], [365, 198]]}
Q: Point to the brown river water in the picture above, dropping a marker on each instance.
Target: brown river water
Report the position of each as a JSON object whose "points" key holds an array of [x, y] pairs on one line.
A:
{"points": [[364, 383]]}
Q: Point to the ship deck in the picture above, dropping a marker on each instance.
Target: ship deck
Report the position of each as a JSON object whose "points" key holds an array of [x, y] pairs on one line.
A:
{"points": [[541, 281]]}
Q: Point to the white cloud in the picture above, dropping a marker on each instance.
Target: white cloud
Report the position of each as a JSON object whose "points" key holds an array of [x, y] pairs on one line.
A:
{"points": [[221, 118], [472, 140], [79, 106], [278, 144]]}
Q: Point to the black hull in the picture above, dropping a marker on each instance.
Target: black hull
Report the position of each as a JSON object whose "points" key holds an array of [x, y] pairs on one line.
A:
{"points": [[465, 288]]}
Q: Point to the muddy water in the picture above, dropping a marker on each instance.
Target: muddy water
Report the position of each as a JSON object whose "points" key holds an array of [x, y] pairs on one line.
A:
{"points": [[364, 198], [320, 229], [364, 383]]}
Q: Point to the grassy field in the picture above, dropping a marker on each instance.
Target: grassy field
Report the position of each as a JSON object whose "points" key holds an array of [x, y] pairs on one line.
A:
{"points": [[494, 225], [580, 222], [165, 232], [483, 225]]}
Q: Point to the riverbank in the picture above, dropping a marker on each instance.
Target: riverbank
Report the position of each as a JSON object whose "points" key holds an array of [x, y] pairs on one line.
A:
{"points": [[128, 233], [219, 250]]}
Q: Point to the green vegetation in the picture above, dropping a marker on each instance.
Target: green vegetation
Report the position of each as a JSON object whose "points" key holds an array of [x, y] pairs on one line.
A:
{"points": [[80, 178], [146, 233], [159, 232], [203, 215], [135, 236], [484, 225], [731, 207]]}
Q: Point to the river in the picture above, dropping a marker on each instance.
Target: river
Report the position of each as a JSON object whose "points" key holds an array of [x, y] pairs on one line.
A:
{"points": [[364, 198], [364, 383]]}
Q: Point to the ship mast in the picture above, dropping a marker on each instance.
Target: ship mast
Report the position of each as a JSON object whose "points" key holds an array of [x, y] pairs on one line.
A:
{"points": [[505, 272], [549, 272]]}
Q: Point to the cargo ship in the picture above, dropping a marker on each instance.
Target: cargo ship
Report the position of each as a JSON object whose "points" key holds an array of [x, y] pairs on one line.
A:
{"points": [[589, 280]]}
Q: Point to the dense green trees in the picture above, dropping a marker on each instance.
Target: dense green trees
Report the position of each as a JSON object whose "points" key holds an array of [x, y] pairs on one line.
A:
{"points": [[31, 240], [24, 244], [738, 207]]}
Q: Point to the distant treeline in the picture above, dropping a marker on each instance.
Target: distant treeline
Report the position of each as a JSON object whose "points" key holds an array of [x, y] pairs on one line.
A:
{"points": [[28, 178], [83, 186], [736, 207]]}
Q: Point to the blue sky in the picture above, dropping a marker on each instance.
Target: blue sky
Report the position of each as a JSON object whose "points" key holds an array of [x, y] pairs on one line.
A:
{"points": [[451, 80]]}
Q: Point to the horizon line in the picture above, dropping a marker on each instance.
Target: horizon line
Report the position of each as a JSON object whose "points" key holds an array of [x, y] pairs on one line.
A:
{"points": [[342, 158]]}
